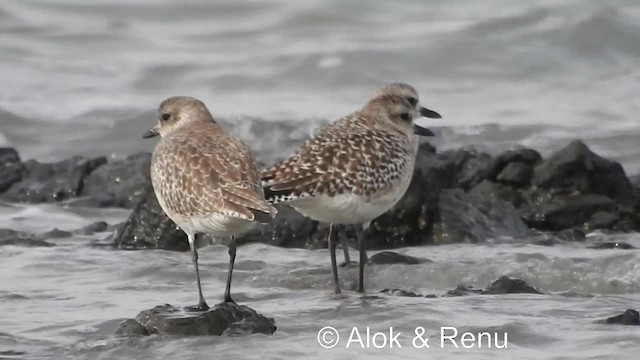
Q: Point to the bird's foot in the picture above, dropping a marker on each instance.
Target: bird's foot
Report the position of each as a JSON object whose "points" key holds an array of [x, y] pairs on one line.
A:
{"points": [[202, 306]]}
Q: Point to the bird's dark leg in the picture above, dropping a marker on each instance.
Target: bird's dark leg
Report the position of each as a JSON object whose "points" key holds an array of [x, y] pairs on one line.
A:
{"points": [[334, 265], [202, 305], [363, 258], [345, 250], [232, 260]]}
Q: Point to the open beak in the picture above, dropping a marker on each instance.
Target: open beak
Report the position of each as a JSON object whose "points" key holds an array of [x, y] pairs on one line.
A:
{"points": [[150, 133], [429, 113], [420, 131]]}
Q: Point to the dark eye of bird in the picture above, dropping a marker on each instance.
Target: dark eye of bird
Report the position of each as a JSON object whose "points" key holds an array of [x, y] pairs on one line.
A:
{"points": [[405, 116], [413, 101], [165, 116]]}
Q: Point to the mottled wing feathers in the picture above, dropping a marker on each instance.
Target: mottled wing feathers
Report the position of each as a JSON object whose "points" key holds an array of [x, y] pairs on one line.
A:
{"points": [[204, 171], [360, 160]]}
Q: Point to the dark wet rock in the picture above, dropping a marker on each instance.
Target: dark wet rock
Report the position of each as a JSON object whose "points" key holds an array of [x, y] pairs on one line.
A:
{"points": [[462, 290], [573, 234], [612, 245], [8, 156], [635, 182], [20, 238], [98, 226], [601, 220], [99, 201], [472, 168], [399, 292], [119, 183], [11, 168], [503, 285], [507, 285], [411, 221], [522, 156], [488, 190], [546, 241], [629, 220], [148, 227], [52, 182], [131, 328], [390, 257], [576, 169], [555, 237], [567, 212], [629, 317], [222, 319], [464, 218], [516, 174], [288, 229], [57, 234]]}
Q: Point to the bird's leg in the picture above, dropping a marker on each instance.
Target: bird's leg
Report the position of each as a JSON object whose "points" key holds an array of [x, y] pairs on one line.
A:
{"points": [[363, 258], [345, 250], [334, 266], [232, 260], [202, 305]]}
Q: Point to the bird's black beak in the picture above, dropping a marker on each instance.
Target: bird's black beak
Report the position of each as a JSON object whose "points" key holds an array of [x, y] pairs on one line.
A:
{"points": [[420, 131], [150, 133], [429, 113]]}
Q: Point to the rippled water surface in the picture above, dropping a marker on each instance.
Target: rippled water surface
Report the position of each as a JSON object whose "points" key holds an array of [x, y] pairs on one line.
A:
{"points": [[85, 77]]}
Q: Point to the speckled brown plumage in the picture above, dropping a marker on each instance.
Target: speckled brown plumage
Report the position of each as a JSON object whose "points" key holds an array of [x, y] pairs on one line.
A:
{"points": [[199, 170], [360, 154], [205, 180], [355, 169]]}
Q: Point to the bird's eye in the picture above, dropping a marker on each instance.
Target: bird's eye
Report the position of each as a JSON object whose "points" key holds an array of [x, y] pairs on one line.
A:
{"points": [[165, 116], [413, 101], [405, 116]]}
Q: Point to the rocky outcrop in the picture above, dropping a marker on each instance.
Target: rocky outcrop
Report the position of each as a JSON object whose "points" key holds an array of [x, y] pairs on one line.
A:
{"points": [[119, 183], [148, 227], [454, 196], [507, 285], [222, 319], [10, 168], [629, 317], [390, 257], [51, 182], [465, 218], [502, 285], [20, 238], [576, 169]]}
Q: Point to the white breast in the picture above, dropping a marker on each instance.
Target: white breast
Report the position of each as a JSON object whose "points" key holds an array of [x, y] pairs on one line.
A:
{"points": [[354, 209], [217, 225]]}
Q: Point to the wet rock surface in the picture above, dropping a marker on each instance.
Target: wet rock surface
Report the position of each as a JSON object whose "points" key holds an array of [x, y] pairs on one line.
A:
{"points": [[629, 317], [575, 168], [507, 285], [500, 286], [464, 218], [120, 183], [148, 227], [52, 182], [390, 257], [222, 319], [10, 168], [20, 238]]}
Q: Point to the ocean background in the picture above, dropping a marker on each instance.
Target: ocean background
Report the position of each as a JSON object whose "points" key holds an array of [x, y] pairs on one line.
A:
{"points": [[85, 77]]}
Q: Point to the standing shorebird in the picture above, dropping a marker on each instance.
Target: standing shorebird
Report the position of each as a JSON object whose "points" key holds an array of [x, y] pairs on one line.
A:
{"points": [[411, 95], [205, 180], [354, 170]]}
